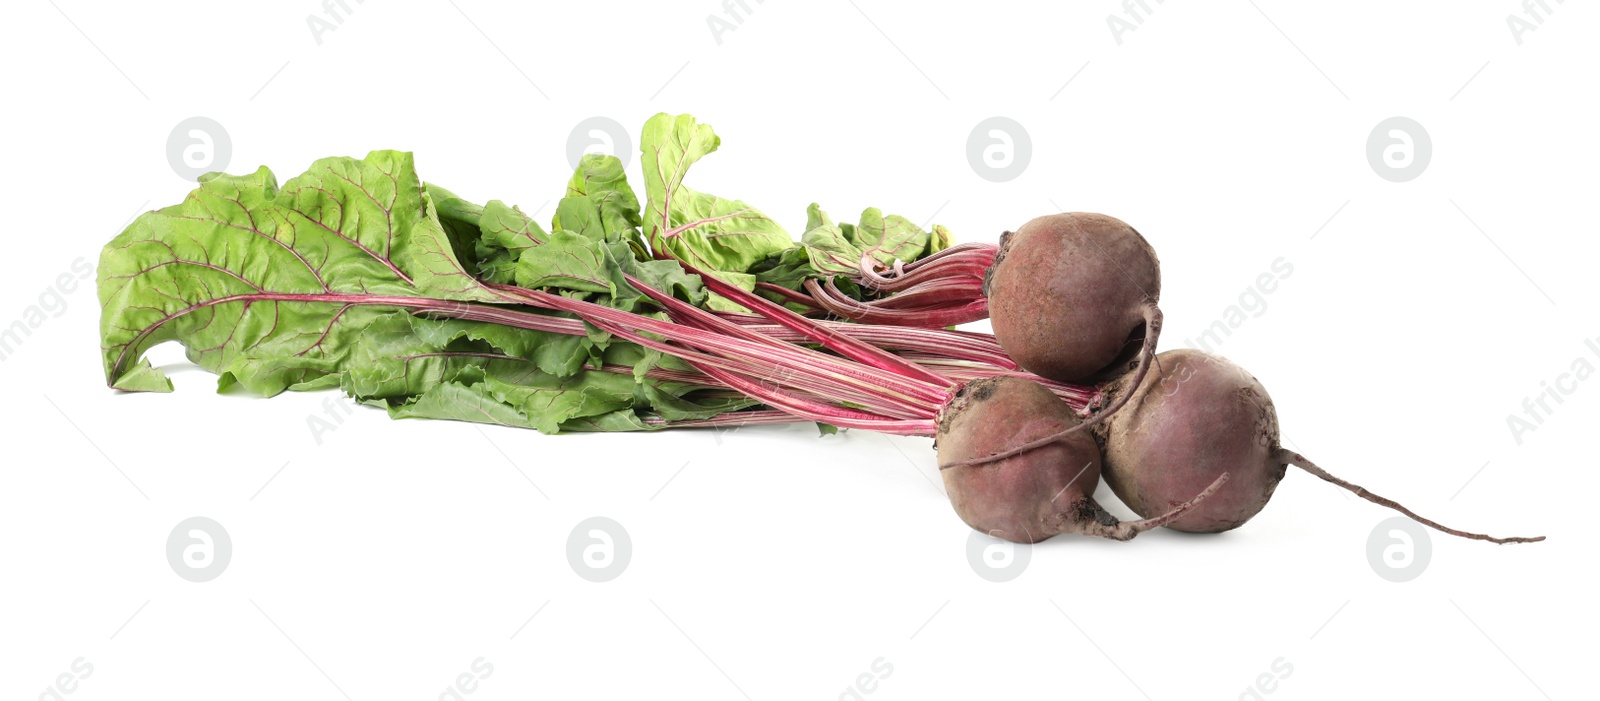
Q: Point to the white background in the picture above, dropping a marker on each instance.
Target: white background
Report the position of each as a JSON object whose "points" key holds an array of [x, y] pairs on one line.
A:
{"points": [[770, 563]]}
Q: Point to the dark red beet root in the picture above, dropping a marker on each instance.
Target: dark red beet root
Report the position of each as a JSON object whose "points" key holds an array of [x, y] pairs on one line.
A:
{"points": [[1193, 418], [1040, 492], [1198, 416], [1071, 296]]}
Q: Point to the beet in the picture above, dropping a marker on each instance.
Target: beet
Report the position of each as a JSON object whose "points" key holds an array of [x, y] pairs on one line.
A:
{"points": [[1037, 493], [1072, 296], [1195, 415], [1198, 416]]}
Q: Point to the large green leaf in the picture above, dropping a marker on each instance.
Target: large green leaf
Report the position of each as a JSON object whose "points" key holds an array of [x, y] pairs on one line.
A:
{"points": [[255, 280], [704, 230]]}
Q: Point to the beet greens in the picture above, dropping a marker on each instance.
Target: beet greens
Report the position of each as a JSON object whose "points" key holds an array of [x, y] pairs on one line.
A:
{"points": [[357, 275]]}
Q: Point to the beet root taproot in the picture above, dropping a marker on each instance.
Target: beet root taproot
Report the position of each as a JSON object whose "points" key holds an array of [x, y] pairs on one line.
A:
{"points": [[1038, 493], [1197, 416]]}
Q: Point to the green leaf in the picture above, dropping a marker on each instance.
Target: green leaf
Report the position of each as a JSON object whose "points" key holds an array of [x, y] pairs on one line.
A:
{"points": [[827, 247], [599, 203], [555, 353], [401, 355], [547, 401], [682, 402], [788, 269], [572, 262], [392, 363], [460, 403], [816, 218], [890, 238], [505, 232], [513, 393], [718, 303], [329, 381], [234, 272], [849, 287], [507, 227], [144, 378], [704, 230], [567, 261], [451, 207], [641, 359], [940, 240], [616, 421], [268, 369], [460, 221], [377, 204], [669, 277], [445, 369]]}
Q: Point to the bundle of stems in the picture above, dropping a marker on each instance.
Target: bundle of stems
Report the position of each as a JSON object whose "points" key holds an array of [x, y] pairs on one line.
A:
{"points": [[853, 380], [942, 289]]}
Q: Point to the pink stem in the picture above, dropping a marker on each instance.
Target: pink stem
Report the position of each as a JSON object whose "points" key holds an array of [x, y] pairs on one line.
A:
{"points": [[972, 266], [1079, 398], [788, 294], [932, 293], [772, 396], [747, 417], [841, 305], [844, 418], [960, 249], [843, 345], [690, 315], [941, 343]]}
